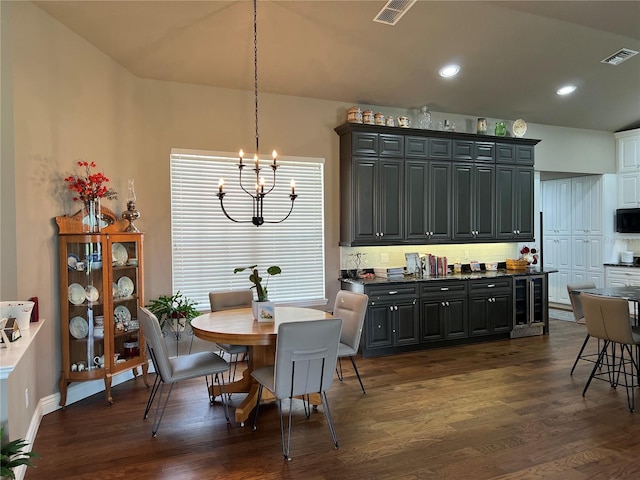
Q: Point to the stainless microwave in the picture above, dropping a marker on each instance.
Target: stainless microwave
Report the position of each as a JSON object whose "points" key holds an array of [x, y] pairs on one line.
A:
{"points": [[628, 220]]}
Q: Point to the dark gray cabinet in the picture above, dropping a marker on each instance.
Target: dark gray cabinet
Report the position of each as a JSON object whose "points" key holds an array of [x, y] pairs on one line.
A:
{"points": [[403, 316], [377, 198], [514, 203], [443, 311], [473, 202], [392, 319], [408, 186], [427, 194], [491, 304]]}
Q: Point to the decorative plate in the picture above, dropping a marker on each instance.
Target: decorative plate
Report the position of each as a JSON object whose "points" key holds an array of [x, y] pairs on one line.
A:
{"points": [[78, 327], [116, 291], [72, 259], [119, 254], [76, 294], [519, 128], [125, 285], [92, 293], [121, 314]]}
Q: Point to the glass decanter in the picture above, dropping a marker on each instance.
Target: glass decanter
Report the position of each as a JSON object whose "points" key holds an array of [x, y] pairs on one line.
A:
{"points": [[424, 118]]}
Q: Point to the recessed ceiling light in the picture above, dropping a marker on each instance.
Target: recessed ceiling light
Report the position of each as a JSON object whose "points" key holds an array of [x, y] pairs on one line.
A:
{"points": [[449, 71], [566, 90]]}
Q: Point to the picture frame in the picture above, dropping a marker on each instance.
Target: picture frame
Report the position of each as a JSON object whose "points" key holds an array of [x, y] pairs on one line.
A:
{"points": [[413, 262]]}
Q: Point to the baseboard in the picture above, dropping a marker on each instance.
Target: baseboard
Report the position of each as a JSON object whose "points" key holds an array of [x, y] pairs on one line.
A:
{"points": [[76, 392]]}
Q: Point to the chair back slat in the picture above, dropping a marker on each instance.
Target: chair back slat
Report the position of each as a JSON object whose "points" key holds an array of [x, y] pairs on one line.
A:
{"points": [[608, 318], [576, 302], [155, 343], [351, 307], [230, 299], [306, 355]]}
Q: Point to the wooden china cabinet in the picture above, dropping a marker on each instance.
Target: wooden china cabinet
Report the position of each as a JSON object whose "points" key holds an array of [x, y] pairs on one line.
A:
{"points": [[101, 286]]}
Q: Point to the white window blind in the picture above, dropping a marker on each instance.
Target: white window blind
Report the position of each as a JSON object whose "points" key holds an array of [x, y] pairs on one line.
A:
{"points": [[207, 246]]}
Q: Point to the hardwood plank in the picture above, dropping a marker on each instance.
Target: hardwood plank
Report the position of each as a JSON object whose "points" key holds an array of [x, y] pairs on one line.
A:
{"points": [[506, 410]]}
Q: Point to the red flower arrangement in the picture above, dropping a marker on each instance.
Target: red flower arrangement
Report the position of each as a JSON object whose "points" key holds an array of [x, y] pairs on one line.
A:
{"points": [[91, 185]]}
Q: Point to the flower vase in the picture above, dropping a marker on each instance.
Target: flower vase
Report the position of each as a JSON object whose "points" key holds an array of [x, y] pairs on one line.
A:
{"points": [[91, 216], [263, 311]]}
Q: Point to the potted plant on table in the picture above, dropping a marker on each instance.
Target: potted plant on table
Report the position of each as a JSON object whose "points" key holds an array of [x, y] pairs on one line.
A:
{"points": [[262, 308]]}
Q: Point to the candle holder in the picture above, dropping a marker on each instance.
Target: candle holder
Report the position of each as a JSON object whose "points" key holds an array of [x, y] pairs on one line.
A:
{"points": [[131, 214]]}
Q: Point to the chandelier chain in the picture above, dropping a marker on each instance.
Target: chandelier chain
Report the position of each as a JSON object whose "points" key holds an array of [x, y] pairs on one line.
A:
{"points": [[255, 68]]}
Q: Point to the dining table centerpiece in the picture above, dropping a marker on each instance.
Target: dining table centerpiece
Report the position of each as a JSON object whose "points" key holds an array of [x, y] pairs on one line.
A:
{"points": [[263, 309], [89, 188]]}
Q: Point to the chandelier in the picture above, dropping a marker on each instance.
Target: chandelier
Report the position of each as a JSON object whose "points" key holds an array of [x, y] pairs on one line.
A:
{"points": [[258, 192]]}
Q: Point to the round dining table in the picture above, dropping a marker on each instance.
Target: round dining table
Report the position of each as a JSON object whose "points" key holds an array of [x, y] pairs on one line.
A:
{"points": [[238, 327]]}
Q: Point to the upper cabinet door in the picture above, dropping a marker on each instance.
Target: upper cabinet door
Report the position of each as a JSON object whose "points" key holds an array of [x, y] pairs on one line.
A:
{"points": [[628, 151]]}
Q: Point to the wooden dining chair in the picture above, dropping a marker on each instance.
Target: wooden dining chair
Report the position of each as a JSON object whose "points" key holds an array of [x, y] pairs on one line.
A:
{"points": [[306, 356], [608, 319], [228, 300], [576, 305], [171, 370], [351, 307]]}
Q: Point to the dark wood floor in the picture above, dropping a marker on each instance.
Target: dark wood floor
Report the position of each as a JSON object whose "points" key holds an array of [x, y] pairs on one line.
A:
{"points": [[502, 410]]}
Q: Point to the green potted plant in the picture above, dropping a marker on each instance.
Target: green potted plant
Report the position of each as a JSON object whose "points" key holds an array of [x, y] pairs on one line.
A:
{"points": [[263, 309], [12, 455], [175, 310]]}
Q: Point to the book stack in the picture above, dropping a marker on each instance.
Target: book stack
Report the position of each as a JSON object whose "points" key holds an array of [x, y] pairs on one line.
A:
{"points": [[435, 266], [390, 272]]}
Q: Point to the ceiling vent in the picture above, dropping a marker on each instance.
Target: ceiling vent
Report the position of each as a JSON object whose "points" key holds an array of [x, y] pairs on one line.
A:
{"points": [[393, 11], [619, 57]]}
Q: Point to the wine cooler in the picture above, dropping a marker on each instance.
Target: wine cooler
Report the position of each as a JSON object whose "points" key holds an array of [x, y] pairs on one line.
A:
{"points": [[531, 308]]}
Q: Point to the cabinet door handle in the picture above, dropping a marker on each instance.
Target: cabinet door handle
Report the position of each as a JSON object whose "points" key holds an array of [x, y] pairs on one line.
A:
{"points": [[393, 292], [382, 234], [447, 303], [491, 285], [391, 308], [396, 308], [443, 304], [444, 289]]}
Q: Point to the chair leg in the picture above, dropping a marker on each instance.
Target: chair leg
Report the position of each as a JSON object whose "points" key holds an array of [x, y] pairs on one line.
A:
{"points": [[353, 362], [596, 365], [286, 443], [157, 419], [339, 369], [152, 395], [219, 377], [255, 417], [327, 414], [584, 344]]}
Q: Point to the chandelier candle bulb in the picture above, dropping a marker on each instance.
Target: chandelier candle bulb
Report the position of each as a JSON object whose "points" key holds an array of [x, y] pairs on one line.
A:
{"points": [[257, 160], [241, 155], [293, 187], [220, 185], [275, 155]]}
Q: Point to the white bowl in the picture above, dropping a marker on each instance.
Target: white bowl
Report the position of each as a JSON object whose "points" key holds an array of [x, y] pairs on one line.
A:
{"points": [[18, 309]]}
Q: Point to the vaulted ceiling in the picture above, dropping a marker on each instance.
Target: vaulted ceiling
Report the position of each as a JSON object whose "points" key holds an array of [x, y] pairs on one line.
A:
{"points": [[514, 54]]}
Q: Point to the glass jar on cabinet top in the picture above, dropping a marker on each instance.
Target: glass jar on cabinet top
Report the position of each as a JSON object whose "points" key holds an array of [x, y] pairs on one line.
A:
{"points": [[424, 118]]}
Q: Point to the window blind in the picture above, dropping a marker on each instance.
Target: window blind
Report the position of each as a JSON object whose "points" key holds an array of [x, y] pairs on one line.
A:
{"points": [[207, 246]]}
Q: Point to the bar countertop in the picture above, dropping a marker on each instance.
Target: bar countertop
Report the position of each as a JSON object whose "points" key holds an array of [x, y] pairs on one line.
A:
{"points": [[473, 275]]}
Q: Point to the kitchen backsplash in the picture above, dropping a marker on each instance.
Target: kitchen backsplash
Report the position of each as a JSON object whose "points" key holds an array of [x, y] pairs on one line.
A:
{"points": [[393, 256]]}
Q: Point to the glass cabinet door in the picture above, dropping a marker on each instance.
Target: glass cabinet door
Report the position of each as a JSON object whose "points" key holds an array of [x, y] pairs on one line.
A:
{"points": [[126, 290], [85, 310]]}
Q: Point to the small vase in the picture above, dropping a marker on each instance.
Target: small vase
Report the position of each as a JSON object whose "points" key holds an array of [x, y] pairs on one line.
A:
{"points": [[263, 311], [91, 216]]}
